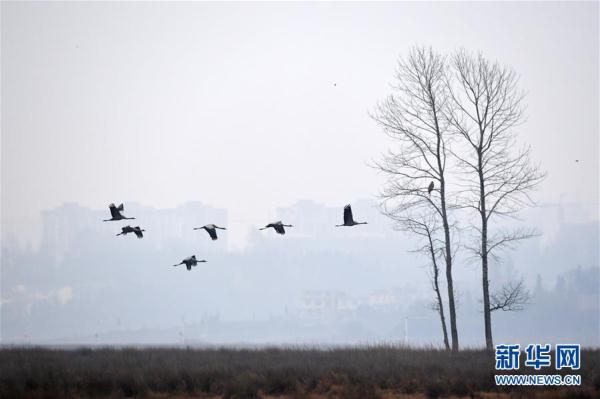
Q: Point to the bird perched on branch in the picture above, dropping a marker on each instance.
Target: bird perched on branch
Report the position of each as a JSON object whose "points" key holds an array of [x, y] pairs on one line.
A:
{"points": [[430, 188], [115, 212], [211, 229], [277, 226], [189, 262], [128, 229], [348, 219]]}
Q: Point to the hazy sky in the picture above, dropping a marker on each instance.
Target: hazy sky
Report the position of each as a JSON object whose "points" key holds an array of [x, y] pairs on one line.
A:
{"points": [[235, 104]]}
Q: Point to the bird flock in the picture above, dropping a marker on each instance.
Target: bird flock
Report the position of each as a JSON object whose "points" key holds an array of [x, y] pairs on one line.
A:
{"points": [[211, 229], [191, 261]]}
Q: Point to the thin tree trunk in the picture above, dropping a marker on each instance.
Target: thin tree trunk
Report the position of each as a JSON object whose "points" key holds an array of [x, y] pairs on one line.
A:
{"points": [[448, 257], [448, 246], [442, 317], [436, 286], [487, 314]]}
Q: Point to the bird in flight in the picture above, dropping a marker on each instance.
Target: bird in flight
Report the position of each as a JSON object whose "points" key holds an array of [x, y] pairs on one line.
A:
{"points": [[211, 229], [128, 229], [278, 226], [348, 219], [430, 188], [189, 262], [115, 212]]}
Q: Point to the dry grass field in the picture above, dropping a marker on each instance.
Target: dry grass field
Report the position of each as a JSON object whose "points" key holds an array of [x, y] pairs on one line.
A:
{"points": [[346, 372]]}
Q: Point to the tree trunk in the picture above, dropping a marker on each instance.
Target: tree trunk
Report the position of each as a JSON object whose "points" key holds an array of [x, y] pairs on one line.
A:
{"points": [[441, 310], [448, 258], [487, 314], [436, 286]]}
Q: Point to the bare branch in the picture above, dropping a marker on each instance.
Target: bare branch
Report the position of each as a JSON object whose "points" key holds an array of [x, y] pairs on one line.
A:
{"points": [[512, 297]]}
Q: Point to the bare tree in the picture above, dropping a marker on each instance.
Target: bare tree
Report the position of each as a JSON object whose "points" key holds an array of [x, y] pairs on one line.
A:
{"points": [[512, 297], [427, 227], [485, 108], [413, 116]]}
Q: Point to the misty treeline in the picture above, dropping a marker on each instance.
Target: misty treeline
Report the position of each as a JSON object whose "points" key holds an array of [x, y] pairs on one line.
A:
{"points": [[456, 169]]}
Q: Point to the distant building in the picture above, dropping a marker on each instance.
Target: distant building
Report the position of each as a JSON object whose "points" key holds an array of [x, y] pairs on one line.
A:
{"points": [[64, 226], [321, 303], [328, 303], [175, 225], [382, 298], [71, 225]]}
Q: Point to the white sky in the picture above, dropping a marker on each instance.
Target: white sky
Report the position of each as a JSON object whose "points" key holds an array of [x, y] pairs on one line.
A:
{"points": [[235, 105]]}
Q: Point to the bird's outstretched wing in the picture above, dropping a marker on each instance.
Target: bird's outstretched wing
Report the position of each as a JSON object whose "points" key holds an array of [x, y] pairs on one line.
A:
{"points": [[114, 211], [120, 208], [348, 215], [279, 228], [211, 232], [138, 232]]}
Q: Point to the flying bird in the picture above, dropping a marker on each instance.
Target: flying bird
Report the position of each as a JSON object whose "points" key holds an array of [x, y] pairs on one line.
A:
{"points": [[348, 219], [138, 232], [128, 229], [430, 188], [211, 229], [189, 262], [115, 212], [278, 226]]}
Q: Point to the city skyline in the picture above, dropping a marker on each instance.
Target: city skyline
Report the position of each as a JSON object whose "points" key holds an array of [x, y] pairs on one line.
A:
{"points": [[80, 261]]}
